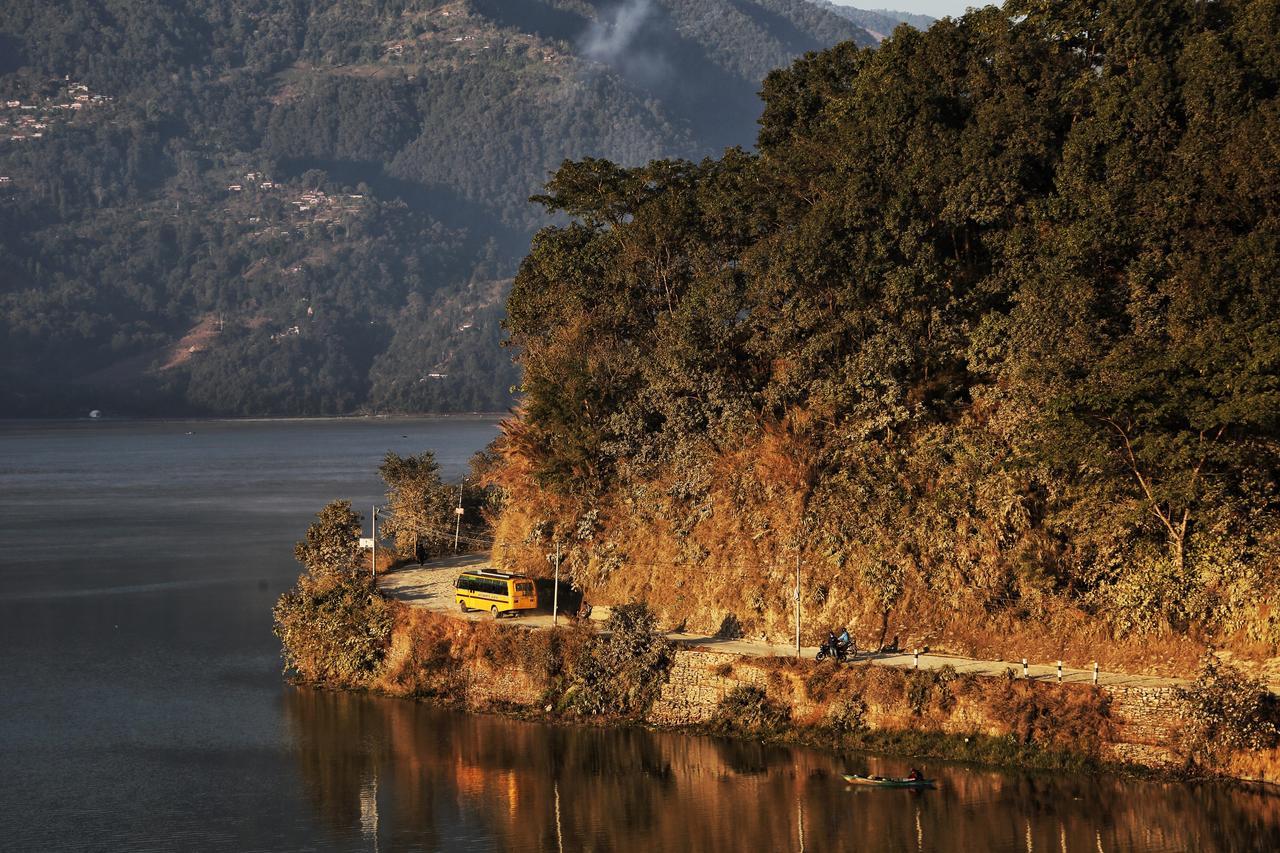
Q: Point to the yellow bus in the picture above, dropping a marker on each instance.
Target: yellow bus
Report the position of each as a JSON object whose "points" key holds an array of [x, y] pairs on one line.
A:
{"points": [[497, 592]]}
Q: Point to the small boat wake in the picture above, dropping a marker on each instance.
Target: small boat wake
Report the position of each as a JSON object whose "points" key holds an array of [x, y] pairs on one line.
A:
{"points": [[889, 782]]}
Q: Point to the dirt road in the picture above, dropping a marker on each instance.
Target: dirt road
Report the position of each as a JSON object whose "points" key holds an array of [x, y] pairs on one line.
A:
{"points": [[431, 586]]}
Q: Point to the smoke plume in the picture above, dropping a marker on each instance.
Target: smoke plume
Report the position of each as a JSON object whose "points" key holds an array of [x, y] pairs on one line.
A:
{"points": [[614, 39]]}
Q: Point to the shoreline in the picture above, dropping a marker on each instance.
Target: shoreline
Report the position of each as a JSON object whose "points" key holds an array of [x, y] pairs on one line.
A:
{"points": [[535, 674], [918, 746], [108, 419]]}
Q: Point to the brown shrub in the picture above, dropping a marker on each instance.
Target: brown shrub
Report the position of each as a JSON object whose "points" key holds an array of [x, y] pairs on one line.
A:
{"points": [[1227, 712], [824, 682], [749, 710], [884, 686], [1061, 717], [429, 664]]}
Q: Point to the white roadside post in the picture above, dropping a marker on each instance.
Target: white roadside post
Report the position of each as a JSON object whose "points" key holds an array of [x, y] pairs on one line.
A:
{"points": [[457, 524], [797, 603], [555, 591]]}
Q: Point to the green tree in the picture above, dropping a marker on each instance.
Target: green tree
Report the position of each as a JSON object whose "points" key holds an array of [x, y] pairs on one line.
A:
{"points": [[334, 625], [332, 543], [421, 504], [622, 672]]}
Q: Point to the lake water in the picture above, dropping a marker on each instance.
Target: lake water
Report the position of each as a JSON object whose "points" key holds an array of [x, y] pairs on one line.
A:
{"points": [[143, 706]]}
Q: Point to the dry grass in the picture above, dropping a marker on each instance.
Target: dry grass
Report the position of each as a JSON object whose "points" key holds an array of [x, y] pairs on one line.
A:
{"points": [[1069, 718], [422, 661], [734, 554], [431, 653]]}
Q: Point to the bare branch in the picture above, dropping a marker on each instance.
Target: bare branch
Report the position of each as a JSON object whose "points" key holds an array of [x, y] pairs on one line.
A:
{"points": [[1142, 481]]}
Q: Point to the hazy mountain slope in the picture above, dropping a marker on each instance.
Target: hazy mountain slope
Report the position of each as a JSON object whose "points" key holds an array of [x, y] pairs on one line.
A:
{"points": [[880, 23], [341, 186]]}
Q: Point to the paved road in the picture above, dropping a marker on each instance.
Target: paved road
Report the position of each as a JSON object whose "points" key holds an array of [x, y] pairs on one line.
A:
{"points": [[431, 586]]}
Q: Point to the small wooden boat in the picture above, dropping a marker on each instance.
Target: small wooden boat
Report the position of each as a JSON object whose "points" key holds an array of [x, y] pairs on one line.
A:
{"points": [[888, 782]]}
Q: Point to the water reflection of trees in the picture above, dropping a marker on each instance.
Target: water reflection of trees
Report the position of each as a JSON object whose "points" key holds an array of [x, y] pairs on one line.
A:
{"points": [[442, 780]]}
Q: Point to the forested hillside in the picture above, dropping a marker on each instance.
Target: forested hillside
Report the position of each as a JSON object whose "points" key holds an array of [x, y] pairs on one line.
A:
{"points": [[274, 207], [984, 342]]}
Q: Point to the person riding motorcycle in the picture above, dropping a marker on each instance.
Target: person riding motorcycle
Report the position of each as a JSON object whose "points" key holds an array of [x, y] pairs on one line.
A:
{"points": [[837, 647]]}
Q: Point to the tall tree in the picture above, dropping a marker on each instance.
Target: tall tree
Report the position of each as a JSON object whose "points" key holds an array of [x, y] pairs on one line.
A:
{"points": [[420, 503]]}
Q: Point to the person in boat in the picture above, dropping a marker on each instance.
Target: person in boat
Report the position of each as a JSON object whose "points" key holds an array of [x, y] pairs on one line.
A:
{"points": [[914, 775]]}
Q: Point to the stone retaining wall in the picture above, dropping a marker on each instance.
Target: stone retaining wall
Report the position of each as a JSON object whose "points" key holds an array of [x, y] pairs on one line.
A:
{"points": [[1145, 719]]}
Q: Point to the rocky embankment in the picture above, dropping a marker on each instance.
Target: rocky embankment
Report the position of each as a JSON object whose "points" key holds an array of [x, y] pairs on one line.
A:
{"points": [[540, 672]]}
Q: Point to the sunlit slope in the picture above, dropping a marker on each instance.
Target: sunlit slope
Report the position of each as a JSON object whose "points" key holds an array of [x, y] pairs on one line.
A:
{"points": [[984, 344]]}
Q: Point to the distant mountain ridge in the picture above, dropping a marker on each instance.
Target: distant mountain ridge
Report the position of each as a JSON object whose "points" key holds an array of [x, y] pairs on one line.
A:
{"points": [[880, 23], [342, 186]]}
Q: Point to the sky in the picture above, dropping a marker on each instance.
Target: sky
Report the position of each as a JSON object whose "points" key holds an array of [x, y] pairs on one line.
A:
{"points": [[933, 8]]}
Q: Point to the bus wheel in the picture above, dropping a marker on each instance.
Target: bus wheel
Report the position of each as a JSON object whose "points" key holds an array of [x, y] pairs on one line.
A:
{"points": [[494, 611], [464, 607]]}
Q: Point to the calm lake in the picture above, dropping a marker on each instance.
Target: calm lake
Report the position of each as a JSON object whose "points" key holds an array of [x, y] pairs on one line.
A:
{"points": [[143, 706]]}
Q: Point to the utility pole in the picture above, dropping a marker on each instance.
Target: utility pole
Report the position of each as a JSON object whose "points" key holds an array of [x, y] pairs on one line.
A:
{"points": [[457, 524], [797, 601], [373, 540], [555, 592]]}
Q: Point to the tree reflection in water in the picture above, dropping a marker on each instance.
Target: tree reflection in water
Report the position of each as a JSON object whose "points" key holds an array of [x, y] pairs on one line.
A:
{"points": [[408, 776]]}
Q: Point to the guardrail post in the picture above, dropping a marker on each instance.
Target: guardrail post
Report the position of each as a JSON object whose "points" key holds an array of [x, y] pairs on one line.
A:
{"points": [[1059, 672], [1024, 667], [1095, 672], [916, 664]]}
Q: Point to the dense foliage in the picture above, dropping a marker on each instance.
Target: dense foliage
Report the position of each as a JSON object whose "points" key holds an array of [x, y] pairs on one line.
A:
{"points": [[990, 326], [334, 626], [1226, 711], [422, 515], [748, 710], [622, 671], [163, 247]]}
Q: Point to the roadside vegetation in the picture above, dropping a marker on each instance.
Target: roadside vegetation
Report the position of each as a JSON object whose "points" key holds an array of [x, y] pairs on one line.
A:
{"points": [[1227, 713]]}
